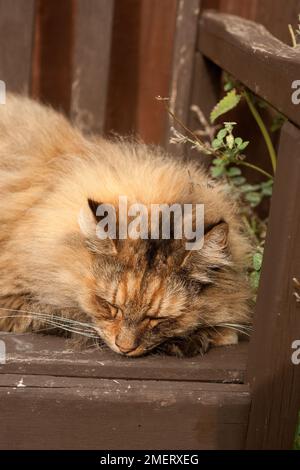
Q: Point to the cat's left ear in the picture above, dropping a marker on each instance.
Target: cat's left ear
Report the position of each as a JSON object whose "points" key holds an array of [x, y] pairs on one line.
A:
{"points": [[93, 205], [88, 220], [215, 250], [216, 235]]}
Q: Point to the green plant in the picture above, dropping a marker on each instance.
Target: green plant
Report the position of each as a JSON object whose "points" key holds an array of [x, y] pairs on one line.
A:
{"points": [[297, 436], [235, 92], [227, 152]]}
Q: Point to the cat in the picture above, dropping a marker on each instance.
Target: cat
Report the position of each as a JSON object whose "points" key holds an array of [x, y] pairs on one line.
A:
{"points": [[136, 296]]}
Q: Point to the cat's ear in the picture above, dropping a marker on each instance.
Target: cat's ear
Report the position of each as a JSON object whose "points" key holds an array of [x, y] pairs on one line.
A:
{"points": [[88, 220], [217, 235], [93, 205], [214, 250]]}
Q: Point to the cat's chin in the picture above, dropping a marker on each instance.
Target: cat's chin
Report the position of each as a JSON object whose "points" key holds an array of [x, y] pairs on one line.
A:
{"points": [[139, 351]]}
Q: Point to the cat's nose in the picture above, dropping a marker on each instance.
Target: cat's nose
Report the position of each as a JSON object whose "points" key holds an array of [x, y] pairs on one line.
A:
{"points": [[125, 348]]}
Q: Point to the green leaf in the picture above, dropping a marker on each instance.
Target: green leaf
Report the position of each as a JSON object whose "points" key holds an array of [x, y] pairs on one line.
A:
{"points": [[229, 82], [218, 161], [244, 145], [221, 134], [257, 261], [245, 188], [253, 197], [216, 143], [254, 279], [234, 171], [277, 123], [297, 437], [267, 184], [238, 180], [228, 86], [238, 141], [230, 101], [267, 191], [217, 171]]}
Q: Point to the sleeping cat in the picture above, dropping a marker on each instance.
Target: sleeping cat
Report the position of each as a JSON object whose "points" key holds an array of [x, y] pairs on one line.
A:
{"points": [[134, 295]]}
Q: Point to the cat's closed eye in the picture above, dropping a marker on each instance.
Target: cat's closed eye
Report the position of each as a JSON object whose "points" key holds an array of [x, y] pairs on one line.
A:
{"points": [[110, 311], [115, 311], [153, 321]]}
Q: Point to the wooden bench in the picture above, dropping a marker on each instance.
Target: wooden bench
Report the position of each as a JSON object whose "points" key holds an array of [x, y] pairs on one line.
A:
{"points": [[51, 397], [232, 398]]}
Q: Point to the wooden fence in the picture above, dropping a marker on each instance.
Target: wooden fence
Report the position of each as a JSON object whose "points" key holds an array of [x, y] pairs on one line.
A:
{"points": [[80, 61], [135, 37]]}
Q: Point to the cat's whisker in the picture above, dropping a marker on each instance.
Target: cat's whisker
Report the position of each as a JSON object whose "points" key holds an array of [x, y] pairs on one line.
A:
{"points": [[40, 330], [55, 324], [237, 325], [55, 317], [242, 329], [243, 332], [214, 327]]}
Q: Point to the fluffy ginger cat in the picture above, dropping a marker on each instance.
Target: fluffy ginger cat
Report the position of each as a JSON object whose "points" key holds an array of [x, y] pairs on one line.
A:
{"points": [[134, 295]]}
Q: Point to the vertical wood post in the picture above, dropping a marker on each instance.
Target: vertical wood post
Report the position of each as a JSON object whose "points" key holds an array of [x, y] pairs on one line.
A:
{"points": [[195, 80], [91, 57], [183, 62], [16, 38], [274, 379]]}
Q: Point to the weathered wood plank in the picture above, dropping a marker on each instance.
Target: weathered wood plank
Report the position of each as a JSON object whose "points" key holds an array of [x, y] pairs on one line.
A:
{"points": [[242, 8], [274, 378], [183, 62], [52, 53], [16, 37], [91, 57], [58, 413], [143, 36], [37, 354], [205, 93], [252, 55], [276, 15]]}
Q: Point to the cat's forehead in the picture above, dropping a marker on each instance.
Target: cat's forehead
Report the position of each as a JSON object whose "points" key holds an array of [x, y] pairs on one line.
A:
{"points": [[140, 284], [147, 254], [150, 292]]}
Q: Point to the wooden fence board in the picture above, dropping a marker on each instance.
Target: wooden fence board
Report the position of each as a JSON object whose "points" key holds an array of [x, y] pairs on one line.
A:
{"points": [[52, 53], [183, 61], [276, 15], [253, 56], [91, 57], [205, 93], [274, 378], [16, 39]]}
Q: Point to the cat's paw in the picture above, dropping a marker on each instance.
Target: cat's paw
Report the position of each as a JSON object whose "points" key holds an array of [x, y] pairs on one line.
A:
{"points": [[199, 342], [187, 347]]}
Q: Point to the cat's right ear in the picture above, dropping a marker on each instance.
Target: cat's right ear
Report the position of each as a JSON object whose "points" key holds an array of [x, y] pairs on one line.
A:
{"points": [[93, 205], [88, 220]]}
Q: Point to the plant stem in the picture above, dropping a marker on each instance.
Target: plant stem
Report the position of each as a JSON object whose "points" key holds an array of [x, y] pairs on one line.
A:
{"points": [[294, 42], [254, 167], [249, 229], [263, 129], [176, 119]]}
